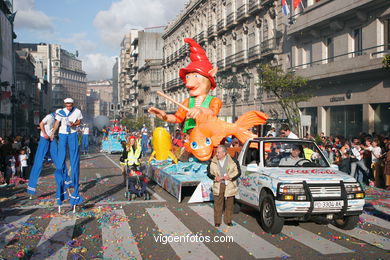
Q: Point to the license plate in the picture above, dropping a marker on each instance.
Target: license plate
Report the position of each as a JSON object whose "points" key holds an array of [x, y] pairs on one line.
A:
{"points": [[328, 204]]}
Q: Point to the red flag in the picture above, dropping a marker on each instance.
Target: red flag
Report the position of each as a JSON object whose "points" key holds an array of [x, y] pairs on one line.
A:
{"points": [[296, 3]]}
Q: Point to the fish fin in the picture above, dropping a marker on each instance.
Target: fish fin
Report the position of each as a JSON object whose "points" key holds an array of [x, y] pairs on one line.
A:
{"points": [[244, 135], [216, 139], [250, 119]]}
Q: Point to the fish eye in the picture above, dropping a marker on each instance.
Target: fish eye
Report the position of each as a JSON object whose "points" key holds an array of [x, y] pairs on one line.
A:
{"points": [[194, 145], [208, 141]]}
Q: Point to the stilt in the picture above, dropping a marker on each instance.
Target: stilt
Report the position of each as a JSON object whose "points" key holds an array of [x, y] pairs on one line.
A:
{"points": [[59, 209], [74, 208]]}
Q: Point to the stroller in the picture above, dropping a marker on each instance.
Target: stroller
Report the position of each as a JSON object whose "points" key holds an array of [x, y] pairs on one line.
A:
{"points": [[135, 184]]}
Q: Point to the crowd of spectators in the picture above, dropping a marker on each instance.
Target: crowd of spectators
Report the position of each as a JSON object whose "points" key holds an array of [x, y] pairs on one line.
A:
{"points": [[16, 159], [366, 157]]}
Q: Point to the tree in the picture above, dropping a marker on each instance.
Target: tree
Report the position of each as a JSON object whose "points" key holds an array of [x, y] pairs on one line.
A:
{"points": [[135, 124], [289, 90]]}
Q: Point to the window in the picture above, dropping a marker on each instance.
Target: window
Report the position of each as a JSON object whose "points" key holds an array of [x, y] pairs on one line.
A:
{"points": [[252, 154], [293, 153], [330, 49], [252, 40], [307, 55], [357, 41]]}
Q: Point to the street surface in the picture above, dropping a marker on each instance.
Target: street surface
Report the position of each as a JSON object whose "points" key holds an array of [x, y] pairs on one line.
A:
{"points": [[108, 226]]}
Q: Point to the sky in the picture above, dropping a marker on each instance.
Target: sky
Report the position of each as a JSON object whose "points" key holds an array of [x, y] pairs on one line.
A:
{"points": [[94, 28]]}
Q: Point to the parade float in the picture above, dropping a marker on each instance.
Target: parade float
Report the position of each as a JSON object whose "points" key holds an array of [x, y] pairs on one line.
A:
{"points": [[112, 138], [198, 115]]}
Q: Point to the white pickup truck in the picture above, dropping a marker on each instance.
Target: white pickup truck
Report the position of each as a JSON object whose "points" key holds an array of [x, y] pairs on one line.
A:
{"points": [[290, 178]]}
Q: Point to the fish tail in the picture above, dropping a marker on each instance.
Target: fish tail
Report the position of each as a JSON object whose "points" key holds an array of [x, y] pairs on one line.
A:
{"points": [[244, 135], [246, 121], [250, 119]]}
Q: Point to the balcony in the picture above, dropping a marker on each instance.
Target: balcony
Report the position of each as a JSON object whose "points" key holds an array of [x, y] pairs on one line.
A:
{"points": [[269, 47], [241, 12], [183, 51], [201, 37], [240, 57], [212, 31], [230, 60], [253, 5], [230, 20], [221, 64], [364, 62], [254, 52], [220, 26]]}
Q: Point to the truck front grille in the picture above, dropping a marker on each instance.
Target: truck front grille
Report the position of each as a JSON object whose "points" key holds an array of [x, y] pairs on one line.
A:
{"points": [[326, 191]]}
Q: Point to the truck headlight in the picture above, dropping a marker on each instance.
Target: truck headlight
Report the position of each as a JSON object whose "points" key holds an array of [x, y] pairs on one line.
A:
{"points": [[291, 189], [354, 191], [352, 187]]}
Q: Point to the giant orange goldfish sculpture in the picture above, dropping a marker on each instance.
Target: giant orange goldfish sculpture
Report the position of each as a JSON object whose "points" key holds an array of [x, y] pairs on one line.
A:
{"points": [[209, 132]]}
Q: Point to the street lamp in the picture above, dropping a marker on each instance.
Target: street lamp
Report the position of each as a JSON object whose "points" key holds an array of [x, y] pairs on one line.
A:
{"points": [[232, 86]]}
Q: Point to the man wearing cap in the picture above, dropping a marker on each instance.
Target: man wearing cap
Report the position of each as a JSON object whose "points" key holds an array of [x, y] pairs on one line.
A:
{"points": [[293, 158], [198, 77], [69, 118]]}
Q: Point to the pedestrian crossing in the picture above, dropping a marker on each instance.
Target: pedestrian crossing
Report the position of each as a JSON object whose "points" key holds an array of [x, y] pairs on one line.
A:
{"points": [[119, 240]]}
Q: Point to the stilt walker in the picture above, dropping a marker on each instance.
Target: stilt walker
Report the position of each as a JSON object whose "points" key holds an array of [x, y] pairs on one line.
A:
{"points": [[44, 146], [61, 174], [85, 140], [69, 118]]}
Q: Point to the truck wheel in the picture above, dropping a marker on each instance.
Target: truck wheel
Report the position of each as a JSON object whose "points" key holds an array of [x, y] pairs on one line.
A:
{"points": [[236, 208], [346, 222], [269, 219]]}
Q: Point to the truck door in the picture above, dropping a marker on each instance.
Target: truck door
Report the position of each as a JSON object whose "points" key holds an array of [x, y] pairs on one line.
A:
{"points": [[248, 181]]}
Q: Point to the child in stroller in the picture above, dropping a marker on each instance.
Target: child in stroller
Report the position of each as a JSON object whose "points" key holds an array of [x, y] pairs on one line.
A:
{"points": [[136, 184]]}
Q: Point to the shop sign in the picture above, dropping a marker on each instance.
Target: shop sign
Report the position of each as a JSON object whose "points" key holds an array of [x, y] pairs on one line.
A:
{"points": [[337, 99]]}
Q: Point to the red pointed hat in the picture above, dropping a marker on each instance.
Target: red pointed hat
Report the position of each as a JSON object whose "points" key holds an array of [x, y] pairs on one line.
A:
{"points": [[199, 63]]}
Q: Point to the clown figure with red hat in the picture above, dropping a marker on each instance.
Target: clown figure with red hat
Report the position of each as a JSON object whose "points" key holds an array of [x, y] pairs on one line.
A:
{"points": [[198, 77]]}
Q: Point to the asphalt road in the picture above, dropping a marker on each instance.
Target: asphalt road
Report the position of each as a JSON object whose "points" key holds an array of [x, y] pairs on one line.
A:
{"points": [[108, 226]]}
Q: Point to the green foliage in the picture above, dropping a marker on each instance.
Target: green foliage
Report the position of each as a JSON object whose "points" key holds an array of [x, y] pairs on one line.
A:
{"points": [[288, 88], [135, 124], [386, 62]]}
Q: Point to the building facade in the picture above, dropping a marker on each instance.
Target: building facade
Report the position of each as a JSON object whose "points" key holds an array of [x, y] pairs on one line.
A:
{"points": [[68, 78], [237, 35], [7, 70], [103, 91], [26, 94], [42, 56], [126, 68], [340, 46]]}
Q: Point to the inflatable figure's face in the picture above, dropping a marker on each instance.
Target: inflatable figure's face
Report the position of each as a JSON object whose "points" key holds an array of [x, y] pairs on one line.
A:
{"points": [[200, 145], [197, 84]]}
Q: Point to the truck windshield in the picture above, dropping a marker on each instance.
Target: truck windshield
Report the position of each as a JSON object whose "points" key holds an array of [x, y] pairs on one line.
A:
{"points": [[293, 154]]}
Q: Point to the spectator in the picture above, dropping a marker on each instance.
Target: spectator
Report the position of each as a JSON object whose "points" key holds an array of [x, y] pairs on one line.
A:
{"points": [[387, 166], [357, 155], [23, 164], [224, 171], [376, 159], [271, 132], [286, 132]]}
